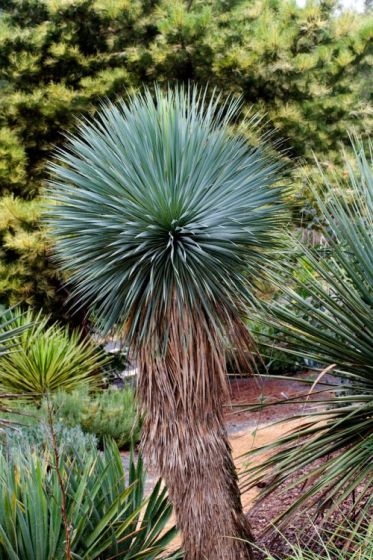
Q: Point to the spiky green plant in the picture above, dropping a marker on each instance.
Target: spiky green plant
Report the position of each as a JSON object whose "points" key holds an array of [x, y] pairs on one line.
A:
{"points": [[10, 330], [161, 218], [331, 321], [10, 333], [107, 516], [47, 357]]}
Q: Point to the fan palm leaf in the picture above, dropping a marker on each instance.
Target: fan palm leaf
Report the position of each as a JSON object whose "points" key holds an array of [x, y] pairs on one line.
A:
{"points": [[162, 217]]}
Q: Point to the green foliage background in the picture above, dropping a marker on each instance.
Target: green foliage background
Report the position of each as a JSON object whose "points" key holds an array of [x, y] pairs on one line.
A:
{"points": [[305, 69]]}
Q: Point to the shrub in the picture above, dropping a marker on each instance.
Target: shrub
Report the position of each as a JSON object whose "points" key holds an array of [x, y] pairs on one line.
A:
{"points": [[161, 216], [305, 68], [27, 275], [331, 321], [107, 518], [47, 358], [36, 435], [271, 359], [112, 412]]}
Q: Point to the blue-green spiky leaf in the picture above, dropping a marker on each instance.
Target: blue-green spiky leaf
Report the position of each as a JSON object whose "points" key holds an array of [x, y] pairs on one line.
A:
{"points": [[157, 201]]}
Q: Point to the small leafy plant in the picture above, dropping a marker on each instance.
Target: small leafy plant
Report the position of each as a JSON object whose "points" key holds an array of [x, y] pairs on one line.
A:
{"points": [[110, 413], [271, 359]]}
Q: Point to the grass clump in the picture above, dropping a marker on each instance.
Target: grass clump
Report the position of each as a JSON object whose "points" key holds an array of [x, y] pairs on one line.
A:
{"points": [[342, 542]]}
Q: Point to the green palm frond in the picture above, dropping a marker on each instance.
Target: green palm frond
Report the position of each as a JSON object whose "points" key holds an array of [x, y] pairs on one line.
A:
{"points": [[157, 202], [330, 320]]}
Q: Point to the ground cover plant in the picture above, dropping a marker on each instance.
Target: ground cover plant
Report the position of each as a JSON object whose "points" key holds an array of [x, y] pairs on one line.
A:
{"points": [[303, 67], [331, 321], [270, 358], [171, 216], [110, 413], [32, 431], [106, 517], [47, 357]]}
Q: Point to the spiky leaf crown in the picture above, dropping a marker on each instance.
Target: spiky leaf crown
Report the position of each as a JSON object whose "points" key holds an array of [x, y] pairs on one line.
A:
{"points": [[157, 203]]}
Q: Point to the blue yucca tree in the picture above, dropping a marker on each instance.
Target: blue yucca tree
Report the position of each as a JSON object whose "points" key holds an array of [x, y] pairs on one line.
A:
{"points": [[162, 218]]}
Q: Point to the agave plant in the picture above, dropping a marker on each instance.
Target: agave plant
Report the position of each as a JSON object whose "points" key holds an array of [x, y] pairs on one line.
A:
{"points": [[161, 217], [107, 517], [47, 357], [331, 322]]}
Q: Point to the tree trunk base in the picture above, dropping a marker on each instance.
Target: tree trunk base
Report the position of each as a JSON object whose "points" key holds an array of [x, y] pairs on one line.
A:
{"points": [[198, 469], [182, 390]]}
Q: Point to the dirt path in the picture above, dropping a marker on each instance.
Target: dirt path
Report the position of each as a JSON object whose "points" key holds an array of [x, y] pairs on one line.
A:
{"points": [[251, 438]]}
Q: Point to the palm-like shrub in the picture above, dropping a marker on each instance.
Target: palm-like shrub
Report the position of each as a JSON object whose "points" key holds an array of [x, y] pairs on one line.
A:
{"points": [[10, 331], [161, 218], [330, 320], [47, 358], [107, 517]]}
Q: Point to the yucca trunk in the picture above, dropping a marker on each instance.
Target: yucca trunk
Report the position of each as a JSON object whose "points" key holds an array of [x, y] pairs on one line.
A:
{"points": [[182, 393], [163, 219]]}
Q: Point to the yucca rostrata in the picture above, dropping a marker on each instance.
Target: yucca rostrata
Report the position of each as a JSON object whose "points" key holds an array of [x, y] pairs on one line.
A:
{"points": [[161, 217]]}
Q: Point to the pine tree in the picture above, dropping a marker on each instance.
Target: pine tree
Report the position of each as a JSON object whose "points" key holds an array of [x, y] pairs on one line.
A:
{"points": [[305, 69], [57, 60]]}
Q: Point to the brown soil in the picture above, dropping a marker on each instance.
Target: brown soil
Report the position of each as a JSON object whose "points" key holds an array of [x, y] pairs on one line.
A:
{"points": [[249, 430], [259, 389]]}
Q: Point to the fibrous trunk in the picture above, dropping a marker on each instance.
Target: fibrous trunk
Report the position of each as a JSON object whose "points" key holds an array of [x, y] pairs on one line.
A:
{"points": [[182, 391]]}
